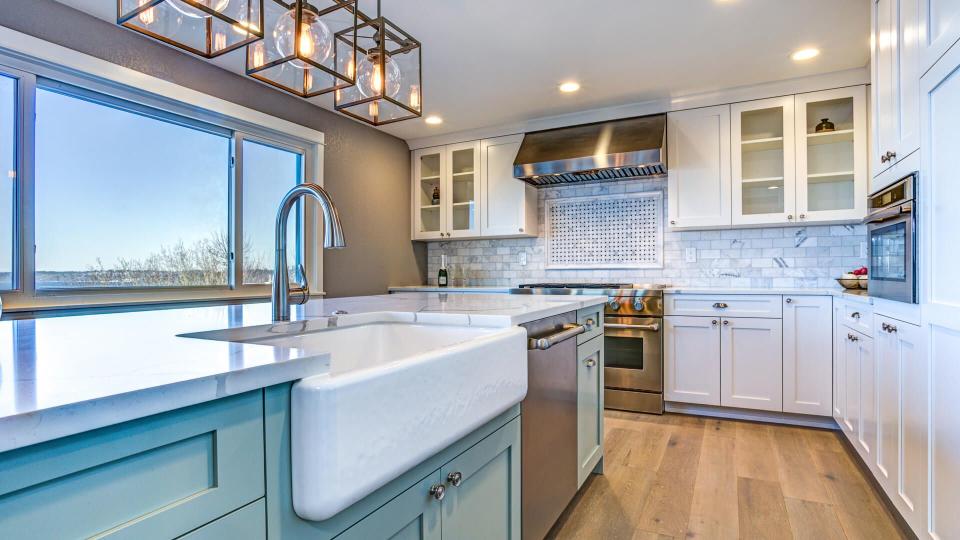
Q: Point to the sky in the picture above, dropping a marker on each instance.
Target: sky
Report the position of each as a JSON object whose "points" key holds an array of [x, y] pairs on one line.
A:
{"points": [[111, 184]]}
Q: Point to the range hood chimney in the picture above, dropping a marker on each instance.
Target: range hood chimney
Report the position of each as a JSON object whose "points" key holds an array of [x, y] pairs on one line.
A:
{"points": [[605, 151]]}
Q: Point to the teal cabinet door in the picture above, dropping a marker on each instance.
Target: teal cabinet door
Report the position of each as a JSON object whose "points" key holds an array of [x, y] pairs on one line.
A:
{"points": [[589, 407], [158, 477], [412, 515], [247, 523], [482, 499]]}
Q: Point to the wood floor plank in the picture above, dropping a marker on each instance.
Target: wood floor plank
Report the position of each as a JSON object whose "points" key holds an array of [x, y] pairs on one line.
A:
{"points": [[811, 520], [713, 513], [755, 455], [762, 510], [611, 504], [667, 509], [796, 467], [857, 505]]}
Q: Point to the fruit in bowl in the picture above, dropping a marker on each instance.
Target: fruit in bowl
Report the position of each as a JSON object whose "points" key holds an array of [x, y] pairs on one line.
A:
{"points": [[854, 280]]}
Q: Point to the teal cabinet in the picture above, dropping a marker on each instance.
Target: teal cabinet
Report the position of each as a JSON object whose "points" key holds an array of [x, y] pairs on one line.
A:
{"points": [[158, 477], [482, 498], [412, 515], [247, 523], [590, 364]]}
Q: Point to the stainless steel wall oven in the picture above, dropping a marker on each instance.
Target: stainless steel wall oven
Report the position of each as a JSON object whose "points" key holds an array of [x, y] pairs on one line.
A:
{"points": [[892, 235]]}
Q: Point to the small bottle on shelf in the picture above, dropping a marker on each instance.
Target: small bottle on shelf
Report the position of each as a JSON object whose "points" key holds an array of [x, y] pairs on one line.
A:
{"points": [[436, 195], [442, 274]]}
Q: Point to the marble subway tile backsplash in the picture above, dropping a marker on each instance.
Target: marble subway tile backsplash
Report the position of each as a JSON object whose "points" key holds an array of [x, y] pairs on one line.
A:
{"points": [[796, 256]]}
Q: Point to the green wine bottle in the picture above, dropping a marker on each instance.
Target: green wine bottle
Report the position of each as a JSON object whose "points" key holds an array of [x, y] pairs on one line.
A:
{"points": [[442, 275]]}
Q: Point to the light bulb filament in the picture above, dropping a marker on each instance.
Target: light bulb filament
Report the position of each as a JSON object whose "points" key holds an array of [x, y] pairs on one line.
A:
{"points": [[306, 45], [376, 79]]}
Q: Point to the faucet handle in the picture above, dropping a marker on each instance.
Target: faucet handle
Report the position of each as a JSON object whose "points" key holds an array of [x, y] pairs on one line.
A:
{"points": [[301, 294]]}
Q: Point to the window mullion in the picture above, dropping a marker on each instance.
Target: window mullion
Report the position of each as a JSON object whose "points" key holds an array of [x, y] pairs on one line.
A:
{"points": [[26, 187], [235, 260]]}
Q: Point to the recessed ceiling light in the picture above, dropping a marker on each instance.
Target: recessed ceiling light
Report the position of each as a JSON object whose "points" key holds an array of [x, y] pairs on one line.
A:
{"points": [[804, 54], [433, 120], [569, 86]]}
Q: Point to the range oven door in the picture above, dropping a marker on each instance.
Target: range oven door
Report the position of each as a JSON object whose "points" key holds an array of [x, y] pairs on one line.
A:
{"points": [[892, 262], [633, 353]]}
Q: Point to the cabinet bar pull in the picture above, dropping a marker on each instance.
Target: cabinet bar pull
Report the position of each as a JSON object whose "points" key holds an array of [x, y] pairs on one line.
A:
{"points": [[544, 343]]}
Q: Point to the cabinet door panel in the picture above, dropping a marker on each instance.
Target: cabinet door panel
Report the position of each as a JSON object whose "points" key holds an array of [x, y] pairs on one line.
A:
{"points": [[884, 89], [692, 359], [412, 515], [486, 504], [839, 366], [589, 407], [867, 434], [851, 357], [698, 146], [939, 29], [888, 407], [462, 178], [505, 201], [807, 354], [429, 217], [751, 364], [914, 432], [762, 160]]}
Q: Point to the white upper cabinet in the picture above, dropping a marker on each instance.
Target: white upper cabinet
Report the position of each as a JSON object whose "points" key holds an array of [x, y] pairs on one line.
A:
{"points": [[463, 189], [896, 91], [763, 161], [698, 167], [831, 155], [508, 207], [467, 190], [939, 29], [807, 354], [429, 217]]}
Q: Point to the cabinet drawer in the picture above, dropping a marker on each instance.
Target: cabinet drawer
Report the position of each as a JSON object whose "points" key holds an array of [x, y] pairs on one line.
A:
{"points": [[158, 477], [249, 523], [592, 318], [724, 305], [859, 317]]}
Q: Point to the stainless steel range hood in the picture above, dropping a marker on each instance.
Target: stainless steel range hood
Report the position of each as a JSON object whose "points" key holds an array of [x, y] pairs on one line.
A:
{"points": [[634, 147]]}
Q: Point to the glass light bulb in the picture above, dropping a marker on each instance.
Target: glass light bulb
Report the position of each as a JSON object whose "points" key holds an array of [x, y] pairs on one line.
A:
{"points": [[189, 11], [315, 41], [372, 82], [149, 16]]}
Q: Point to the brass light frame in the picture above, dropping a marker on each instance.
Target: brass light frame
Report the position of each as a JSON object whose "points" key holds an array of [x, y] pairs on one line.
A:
{"points": [[254, 31]]}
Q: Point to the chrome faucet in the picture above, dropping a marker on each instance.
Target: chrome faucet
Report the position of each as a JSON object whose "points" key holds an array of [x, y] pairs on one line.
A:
{"points": [[282, 293]]}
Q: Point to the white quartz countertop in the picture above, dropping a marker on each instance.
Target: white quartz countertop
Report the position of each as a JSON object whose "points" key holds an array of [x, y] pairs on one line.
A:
{"points": [[65, 375]]}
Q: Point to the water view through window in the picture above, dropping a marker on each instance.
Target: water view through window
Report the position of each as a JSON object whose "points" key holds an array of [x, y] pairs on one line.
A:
{"points": [[8, 177], [127, 200]]}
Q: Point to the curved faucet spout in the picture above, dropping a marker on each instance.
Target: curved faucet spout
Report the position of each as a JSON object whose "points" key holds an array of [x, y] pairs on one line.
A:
{"points": [[332, 238]]}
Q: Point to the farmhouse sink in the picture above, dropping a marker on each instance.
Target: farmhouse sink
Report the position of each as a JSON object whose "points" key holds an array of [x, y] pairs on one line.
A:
{"points": [[396, 394]]}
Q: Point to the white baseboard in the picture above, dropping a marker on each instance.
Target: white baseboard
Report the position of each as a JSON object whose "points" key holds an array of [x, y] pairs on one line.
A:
{"points": [[822, 422]]}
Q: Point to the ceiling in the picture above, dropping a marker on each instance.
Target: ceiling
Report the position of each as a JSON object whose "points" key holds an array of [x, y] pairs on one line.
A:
{"points": [[497, 62]]}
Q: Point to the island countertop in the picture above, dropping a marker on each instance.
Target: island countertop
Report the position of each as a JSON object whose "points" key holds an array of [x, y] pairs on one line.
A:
{"points": [[64, 375]]}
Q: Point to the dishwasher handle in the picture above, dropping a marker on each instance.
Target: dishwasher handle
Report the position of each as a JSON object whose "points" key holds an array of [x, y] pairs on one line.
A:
{"points": [[655, 327], [544, 343]]}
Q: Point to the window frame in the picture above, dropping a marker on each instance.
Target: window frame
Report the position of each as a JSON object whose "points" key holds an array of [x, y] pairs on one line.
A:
{"points": [[32, 74]]}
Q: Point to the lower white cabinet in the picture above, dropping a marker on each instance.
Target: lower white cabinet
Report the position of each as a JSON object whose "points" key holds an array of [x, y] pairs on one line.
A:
{"points": [[838, 365], [751, 363], [807, 354], [691, 359]]}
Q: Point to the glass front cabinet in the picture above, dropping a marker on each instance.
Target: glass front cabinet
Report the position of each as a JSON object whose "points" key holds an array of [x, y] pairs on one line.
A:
{"points": [[800, 159], [446, 191]]}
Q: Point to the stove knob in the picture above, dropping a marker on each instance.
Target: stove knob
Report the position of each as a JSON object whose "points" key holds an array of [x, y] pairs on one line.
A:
{"points": [[638, 304], [613, 305]]}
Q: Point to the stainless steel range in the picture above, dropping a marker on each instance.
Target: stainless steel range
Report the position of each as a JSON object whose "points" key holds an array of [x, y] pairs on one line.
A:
{"points": [[633, 340]]}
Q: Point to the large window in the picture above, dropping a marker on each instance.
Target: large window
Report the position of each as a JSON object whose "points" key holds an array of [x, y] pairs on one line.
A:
{"points": [[126, 200], [8, 176], [110, 194]]}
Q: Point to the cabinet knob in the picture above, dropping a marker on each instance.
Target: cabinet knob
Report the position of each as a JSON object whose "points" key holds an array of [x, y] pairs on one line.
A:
{"points": [[790, 217], [438, 491], [590, 362], [803, 216], [589, 323], [789, 300], [726, 322], [891, 328], [713, 323], [455, 478], [855, 314], [672, 222], [720, 305], [521, 229]]}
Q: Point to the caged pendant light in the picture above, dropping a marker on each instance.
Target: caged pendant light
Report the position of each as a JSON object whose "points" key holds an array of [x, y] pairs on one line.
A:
{"points": [[388, 74], [308, 48], [207, 28]]}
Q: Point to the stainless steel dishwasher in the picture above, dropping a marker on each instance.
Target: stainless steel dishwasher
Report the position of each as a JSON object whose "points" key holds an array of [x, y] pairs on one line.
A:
{"points": [[549, 423]]}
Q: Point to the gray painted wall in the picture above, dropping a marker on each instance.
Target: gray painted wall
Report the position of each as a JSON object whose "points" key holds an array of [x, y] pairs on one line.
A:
{"points": [[366, 171]]}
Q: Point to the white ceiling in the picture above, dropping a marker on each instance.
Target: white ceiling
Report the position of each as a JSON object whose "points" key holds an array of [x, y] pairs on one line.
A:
{"points": [[496, 62]]}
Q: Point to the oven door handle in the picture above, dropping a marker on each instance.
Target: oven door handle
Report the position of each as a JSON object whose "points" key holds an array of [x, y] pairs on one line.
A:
{"points": [[889, 213], [544, 343], [655, 327]]}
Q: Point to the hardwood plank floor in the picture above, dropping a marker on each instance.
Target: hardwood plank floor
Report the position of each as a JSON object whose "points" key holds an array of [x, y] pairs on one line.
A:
{"points": [[678, 476]]}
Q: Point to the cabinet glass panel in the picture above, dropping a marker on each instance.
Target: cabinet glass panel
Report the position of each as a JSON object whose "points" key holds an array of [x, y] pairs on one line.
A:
{"points": [[830, 155], [463, 178], [761, 157], [430, 193]]}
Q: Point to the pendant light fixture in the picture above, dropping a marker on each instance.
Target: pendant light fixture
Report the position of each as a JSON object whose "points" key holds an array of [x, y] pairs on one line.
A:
{"points": [[207, 28], [388, 74], [309, 46]]}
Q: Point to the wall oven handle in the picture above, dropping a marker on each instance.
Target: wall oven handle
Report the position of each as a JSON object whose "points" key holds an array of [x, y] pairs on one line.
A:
{"points": [[544, 343], [655, 327]]}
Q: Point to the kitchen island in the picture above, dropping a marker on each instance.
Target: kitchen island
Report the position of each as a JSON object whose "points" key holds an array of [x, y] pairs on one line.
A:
{"points": [[174, 411]]}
